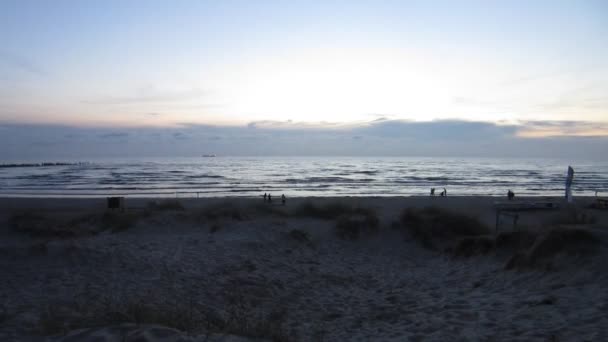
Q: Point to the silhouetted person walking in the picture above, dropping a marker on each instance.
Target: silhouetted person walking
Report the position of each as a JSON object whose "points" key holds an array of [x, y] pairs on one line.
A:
{"points": [[269, 198], [265, 196], [432, 191], [283, 199]]}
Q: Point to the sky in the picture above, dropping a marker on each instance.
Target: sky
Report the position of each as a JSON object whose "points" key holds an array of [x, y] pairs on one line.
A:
{"points": [[358, 77]]}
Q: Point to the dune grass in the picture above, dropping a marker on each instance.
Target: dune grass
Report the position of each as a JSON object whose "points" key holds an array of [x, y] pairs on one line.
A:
{"points": [[573, 216], [327, 212], [433, 226], [218, 211], [166, 205], [299, 235], [360, 220], [117, 221], [240, 317], [568, 242], [49, 225]]}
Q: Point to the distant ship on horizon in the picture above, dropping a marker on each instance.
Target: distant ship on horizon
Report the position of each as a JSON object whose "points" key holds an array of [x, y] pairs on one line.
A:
{"points": [[208, 155]]}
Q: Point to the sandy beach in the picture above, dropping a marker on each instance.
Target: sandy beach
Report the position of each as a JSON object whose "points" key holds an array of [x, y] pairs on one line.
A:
{"points": [[315, 269]]}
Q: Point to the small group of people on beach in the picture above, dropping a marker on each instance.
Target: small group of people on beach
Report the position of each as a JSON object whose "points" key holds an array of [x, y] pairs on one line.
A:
{"points": [[444, 193], [268, 198]]}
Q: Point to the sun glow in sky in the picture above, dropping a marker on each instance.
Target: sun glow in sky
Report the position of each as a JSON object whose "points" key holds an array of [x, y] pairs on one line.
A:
{"points": [[165, 63]]}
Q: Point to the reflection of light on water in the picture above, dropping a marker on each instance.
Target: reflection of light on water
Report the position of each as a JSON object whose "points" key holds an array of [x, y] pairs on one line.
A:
{"points": [[304, 176]]}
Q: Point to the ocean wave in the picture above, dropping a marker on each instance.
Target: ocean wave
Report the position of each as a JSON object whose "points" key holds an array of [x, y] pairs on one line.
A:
{"points": [[370, 172], [327, 180], [43, 164], [347, 176]]}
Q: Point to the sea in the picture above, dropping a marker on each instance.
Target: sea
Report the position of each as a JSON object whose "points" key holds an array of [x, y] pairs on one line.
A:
{"points": [[299, 176]]}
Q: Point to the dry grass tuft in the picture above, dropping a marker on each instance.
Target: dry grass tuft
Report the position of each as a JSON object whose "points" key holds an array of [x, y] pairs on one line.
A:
{"points": [[477, 245], [53, 226], [515, 240], [360, 220], [218, 211], [299, 236], [569, 242], [58, 225], [214, 228], [573, 216], [240, 317], [117, 221], [327, 212], [434, 226], [166, 205], [268, 209]]}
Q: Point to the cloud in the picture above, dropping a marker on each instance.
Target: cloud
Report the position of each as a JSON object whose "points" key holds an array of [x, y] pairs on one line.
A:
{"points": [[114, 135], [437, 130], [180, 136], [150, 95], [375, 138], [290, 124], [535, 128]]}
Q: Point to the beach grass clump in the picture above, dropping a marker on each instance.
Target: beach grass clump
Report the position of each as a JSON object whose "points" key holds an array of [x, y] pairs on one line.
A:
{"points": [[568, 242], [166, 205], [299, 236], [52, 322], [173, 313], [515, 240], [432, 225], [358, 221], [118, 221], [37, 224], [214, 228], [476, 245], [268, 209], [4, 315], [184, 318], [573, 216], [327, 212], [32, 223], [218, 211]]}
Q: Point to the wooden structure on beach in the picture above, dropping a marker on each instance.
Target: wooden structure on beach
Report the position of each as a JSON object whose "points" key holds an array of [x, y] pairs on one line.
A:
{"points": [[512, 209]]}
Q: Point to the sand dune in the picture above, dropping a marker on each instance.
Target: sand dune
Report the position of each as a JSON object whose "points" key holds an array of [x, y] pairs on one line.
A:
{"points": [[237, 269]]}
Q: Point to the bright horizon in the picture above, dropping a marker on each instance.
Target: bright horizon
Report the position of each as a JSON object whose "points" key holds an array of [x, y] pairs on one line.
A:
{"points": [[532, 70]]}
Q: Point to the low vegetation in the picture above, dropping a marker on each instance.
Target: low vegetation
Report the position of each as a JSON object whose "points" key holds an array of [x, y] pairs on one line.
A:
{"points": [[185, 314], [118, 221], [360, 220], [573, 216], [266, 209], [327, 212], [218, 211], [568, 242], [505, 243], [300, 236], [434, 227], [553, 249], [477, 245], [48, 225], [166, 205]]}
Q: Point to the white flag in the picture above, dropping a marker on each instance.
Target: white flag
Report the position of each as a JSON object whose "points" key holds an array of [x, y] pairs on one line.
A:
{"points": [[569, 180]]}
